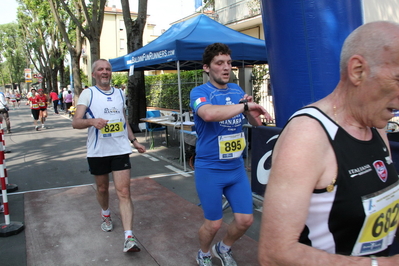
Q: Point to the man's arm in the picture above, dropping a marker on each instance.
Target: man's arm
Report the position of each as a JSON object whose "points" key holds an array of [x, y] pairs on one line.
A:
{"points": [[79, 122], [214, 113]]}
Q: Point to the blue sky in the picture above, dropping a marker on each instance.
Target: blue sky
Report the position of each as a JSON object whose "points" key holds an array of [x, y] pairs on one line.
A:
{"points": [[8, 12], [162, 12]]}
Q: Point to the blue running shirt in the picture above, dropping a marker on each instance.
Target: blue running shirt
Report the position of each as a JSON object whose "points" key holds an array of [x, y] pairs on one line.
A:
{"points": [[210, 134]]}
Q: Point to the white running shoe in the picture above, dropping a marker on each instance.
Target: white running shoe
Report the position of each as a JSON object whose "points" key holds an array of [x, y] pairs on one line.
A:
{"points": [[106, 225], [226, 258], [204, 261], [130, 245]]}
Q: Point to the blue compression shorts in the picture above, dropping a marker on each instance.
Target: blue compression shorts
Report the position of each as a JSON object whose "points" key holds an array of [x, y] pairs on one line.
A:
{"points": [[211, 184]]}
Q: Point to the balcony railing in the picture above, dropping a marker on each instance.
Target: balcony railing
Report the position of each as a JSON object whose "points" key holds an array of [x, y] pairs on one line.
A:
{"points": [[238, 11]]}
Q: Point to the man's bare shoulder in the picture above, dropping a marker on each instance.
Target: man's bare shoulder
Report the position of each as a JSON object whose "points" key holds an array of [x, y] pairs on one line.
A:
{"points": [[305, 134]]}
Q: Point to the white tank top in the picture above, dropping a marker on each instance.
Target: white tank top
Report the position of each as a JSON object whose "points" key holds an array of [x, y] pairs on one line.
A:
{"points": [[113, 138]]}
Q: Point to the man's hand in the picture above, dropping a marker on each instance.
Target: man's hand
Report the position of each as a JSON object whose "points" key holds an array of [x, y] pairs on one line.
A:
{"points": [[140, 148], [248, 98], [99, 123]]}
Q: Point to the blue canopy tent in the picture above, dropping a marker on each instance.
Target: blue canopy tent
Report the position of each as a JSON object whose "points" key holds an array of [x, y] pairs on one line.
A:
{"points": [[181, 48], [183, 44]]}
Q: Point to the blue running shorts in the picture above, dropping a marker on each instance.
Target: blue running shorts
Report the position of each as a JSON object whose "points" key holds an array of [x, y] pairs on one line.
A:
{"points": [[211, 184]]}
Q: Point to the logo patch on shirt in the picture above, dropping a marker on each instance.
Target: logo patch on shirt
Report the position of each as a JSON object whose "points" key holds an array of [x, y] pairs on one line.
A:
{"points": [[360, 170], [198, 101], [112, 110], [109, 99], [381, 170]]}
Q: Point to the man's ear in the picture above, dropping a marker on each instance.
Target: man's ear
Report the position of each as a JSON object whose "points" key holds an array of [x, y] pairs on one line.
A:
{"points": [[205, 67], [356, 69]]}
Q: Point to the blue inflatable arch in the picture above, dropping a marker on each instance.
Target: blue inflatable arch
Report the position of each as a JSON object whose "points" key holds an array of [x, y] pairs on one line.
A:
{"points": [[304, 40]]}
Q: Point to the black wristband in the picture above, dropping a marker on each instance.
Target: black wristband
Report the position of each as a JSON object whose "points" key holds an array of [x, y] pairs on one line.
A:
{"points": [[133, 140], [245, 102]]}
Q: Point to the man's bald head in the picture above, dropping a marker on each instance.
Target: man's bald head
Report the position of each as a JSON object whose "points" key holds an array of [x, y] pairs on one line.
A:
{"points": [[370, 41]]}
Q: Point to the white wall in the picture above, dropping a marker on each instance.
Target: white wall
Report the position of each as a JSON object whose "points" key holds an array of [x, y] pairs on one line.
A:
{"points": [[380, 10]]}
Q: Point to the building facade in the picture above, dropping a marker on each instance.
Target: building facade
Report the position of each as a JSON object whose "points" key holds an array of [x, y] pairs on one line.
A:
{"points": [[113, 41]]}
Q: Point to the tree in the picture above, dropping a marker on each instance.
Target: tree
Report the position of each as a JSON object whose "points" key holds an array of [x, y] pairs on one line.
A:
{"points": [[12, 57], [92, 25], [209, 5], [72, 37], [136, 85], [43, 42]]}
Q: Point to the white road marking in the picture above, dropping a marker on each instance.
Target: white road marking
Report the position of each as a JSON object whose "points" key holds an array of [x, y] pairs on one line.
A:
{"points": [[180, 172]]}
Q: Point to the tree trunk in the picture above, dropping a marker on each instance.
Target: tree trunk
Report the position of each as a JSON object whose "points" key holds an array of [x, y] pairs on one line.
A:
{"points": [[62, 76], [136, 86], [94, 53], [54, 79], [137, 100], [77, 86]]}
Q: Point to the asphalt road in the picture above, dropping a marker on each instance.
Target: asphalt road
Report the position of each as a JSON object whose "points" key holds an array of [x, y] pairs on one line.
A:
{"points": [[55, 158]]}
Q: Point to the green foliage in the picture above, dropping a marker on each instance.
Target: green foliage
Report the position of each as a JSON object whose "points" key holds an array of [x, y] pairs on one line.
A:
{"points": [[163, 90], [254, 7], [83, 77], [12, 59], [67, 75], [120, 78], [260, 73]]}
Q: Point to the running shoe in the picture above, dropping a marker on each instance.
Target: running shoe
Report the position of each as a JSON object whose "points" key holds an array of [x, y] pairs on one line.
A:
{"points": [[204, 261], [225, 258], [106, 225], [130, 245], [37, 128]]}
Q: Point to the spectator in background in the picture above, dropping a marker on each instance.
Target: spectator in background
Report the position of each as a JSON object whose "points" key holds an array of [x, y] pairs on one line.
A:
{"points": [[61, 100], [123, 88], [68, 101], [54, 98], [64, 94]]}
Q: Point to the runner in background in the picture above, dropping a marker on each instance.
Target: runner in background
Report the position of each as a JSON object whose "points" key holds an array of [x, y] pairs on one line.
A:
{"points": [[33, 101]]}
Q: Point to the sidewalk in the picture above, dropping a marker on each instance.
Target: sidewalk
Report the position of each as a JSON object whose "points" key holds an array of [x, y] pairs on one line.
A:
{"points": [[57, 204]]}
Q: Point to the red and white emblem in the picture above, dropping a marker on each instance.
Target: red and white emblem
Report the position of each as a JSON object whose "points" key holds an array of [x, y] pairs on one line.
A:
{"points": [[381, 170]]}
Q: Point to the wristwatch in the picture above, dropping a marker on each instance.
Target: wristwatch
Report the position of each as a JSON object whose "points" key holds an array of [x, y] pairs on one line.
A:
{"points": [[245, 102], [133, 140]]}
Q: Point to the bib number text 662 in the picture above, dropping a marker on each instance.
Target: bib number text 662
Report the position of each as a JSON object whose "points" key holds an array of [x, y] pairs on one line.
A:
{"points": [[385, 221]]}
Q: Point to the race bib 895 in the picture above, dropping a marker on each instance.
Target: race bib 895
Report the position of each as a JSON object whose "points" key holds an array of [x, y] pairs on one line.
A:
{"points": [[231, 146]]}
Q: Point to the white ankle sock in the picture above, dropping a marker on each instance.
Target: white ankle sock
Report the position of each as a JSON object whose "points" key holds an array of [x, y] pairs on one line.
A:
{"points": [[223, 247], [106, 213], [128, 233], [203, 254]]}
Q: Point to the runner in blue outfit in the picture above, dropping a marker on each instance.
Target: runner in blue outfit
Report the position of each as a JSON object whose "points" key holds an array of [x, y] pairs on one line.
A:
{"points": [[219, 166]]}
